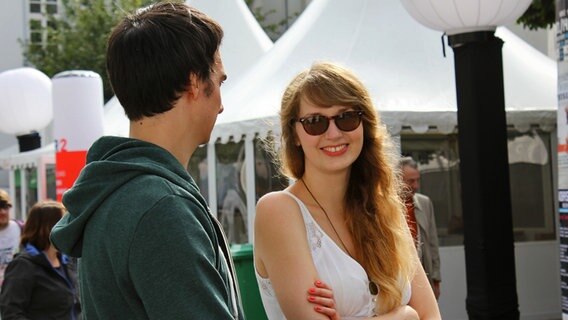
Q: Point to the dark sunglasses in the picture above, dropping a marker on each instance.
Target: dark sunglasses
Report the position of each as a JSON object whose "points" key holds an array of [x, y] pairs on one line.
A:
{"points": [[318, 124], [5, 205]]}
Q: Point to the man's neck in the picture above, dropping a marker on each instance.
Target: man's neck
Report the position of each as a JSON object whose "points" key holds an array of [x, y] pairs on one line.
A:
{"points": [[160, 133]]}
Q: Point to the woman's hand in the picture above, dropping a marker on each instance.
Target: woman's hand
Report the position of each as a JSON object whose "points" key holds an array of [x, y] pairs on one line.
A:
{"points": [[322, 296]]}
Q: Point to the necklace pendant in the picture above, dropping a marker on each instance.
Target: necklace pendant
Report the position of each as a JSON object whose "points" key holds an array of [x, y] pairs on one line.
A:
{"points": [[373, 288]]}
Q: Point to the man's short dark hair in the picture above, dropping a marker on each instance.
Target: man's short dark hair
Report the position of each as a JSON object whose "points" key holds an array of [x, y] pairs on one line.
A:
{"points": [[152, 53]]}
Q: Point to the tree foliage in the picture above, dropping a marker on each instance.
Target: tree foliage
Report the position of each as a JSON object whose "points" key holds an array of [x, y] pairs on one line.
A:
{"points": [[273, 30], [76, 39], [541, 14]]}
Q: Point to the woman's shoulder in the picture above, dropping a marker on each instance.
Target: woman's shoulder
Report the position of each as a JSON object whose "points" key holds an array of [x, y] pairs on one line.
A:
{"points": [[23, 256], [277, 198], [22, 261], [282, 202], [279, 228], [279, 207]]}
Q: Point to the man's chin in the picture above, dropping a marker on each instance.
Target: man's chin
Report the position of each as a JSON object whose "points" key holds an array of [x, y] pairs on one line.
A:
{"points": [[206, 140]]}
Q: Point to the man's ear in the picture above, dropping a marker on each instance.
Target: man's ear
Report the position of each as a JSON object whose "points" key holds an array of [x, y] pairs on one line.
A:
{"points": [[194, 86]]}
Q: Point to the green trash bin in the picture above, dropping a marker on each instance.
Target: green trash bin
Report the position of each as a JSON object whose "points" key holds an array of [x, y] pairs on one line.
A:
{"points": [[244, 267]]}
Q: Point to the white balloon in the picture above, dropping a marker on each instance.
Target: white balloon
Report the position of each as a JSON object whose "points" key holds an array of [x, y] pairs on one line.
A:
{"points": [[25, 101]]}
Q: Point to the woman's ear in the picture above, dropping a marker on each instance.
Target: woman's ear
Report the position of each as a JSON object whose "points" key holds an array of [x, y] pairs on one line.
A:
{"points": [[297, 140]]}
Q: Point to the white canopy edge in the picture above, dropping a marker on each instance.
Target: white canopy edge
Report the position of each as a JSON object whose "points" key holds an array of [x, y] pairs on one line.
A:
{"points": [[10, 159], [443, 122]]}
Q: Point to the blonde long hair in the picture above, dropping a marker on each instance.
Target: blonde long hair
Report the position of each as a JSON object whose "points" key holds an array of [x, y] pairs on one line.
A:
{"points": [[375, 211]]}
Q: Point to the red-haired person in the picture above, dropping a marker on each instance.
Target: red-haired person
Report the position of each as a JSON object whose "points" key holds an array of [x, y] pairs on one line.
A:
{"points": [[40, 282]]}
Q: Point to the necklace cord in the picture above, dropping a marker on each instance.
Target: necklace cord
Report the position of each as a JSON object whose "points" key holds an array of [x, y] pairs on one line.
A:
{"points": [[327, 216]]}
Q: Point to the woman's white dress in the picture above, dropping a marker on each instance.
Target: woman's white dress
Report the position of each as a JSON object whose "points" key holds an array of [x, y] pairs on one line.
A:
{"points": [[344, 274]]}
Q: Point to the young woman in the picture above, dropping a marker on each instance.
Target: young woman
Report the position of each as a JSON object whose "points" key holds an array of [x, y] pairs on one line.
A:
{"points": [[40, 283], [342, 221]]}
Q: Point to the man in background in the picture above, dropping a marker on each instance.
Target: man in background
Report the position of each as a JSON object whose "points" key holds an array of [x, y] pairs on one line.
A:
{"points": [[9, 233], [422, 223]]}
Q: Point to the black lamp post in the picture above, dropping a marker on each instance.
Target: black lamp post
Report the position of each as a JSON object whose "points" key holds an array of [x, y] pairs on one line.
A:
{"points": [[482, 135], [484, 169]]}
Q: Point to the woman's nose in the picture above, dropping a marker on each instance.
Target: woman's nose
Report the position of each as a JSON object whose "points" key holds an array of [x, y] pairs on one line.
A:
{"points": [[333, 131]]}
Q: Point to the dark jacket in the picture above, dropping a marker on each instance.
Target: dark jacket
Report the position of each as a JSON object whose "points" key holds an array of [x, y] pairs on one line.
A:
{"points": [[148, 245], [33, 289]]}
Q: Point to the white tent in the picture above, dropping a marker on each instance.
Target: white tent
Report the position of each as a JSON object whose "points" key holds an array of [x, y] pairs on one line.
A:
{"points": [[243, 44], [399, 60]]}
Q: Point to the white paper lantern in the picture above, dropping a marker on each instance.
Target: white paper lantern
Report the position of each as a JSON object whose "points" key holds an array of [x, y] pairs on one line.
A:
{"points": [[25, 101], [78, 108], [463, 16]]}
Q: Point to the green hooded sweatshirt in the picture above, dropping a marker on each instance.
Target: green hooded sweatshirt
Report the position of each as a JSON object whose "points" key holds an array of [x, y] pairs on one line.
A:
{"points": [[148, 246]]}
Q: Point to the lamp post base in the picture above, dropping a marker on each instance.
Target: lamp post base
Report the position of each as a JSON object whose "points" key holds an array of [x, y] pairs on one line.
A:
{"points": [[484, 170]]}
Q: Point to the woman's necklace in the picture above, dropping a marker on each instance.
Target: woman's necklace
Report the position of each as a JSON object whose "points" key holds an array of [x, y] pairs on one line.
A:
{"points": [[373, 288], [328, 219]]}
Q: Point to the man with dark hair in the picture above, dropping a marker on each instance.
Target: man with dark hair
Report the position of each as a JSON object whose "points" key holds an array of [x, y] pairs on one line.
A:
{"points": [[149, 247], [422, 222]]}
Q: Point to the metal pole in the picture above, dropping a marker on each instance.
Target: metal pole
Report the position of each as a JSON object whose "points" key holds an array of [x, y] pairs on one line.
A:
{"points": [[484, 169]]}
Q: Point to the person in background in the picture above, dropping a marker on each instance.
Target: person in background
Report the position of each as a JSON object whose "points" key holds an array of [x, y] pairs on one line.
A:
{"points": [[9, 233], [39, 283], [342, 221], [148, 245], [422, 223]]}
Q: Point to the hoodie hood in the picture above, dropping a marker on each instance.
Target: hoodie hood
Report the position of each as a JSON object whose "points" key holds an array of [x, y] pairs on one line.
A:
{"points": [[112, 162]]}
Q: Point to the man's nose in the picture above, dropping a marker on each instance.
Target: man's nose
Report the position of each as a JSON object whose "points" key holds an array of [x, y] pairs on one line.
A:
{"points": [[415, 186]]}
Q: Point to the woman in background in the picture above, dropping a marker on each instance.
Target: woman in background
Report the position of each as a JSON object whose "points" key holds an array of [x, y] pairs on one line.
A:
{"points": [[343, 220], [40, 283]]}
